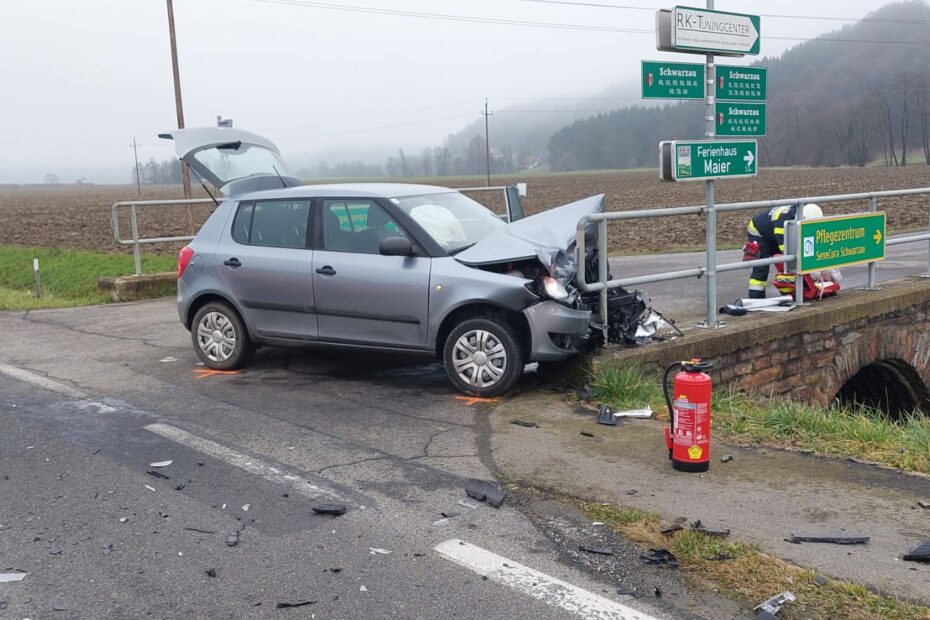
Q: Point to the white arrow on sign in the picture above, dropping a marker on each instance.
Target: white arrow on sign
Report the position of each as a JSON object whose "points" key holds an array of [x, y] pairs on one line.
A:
{"points": [[713, 30], [749, 158]]}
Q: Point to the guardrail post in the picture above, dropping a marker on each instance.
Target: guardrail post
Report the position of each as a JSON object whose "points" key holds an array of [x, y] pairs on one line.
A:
{"points": [[870, 285], [135, 239], [601, 270], [927, 275]]}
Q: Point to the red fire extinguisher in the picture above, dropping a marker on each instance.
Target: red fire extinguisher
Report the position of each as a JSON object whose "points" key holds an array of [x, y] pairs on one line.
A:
{"points": [[688, 434]]}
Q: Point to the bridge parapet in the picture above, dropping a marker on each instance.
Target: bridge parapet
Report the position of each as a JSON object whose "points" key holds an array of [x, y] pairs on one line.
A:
{"points": [[864, 346]]}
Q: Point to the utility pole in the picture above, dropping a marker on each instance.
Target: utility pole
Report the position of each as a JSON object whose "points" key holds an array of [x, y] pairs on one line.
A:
{"points": [[487, 144], [185, 175], [135, 153]]}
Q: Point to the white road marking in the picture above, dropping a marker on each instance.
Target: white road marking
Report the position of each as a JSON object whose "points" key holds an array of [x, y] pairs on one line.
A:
{"points": [[244, 462], [54, 386], [533, 583]]}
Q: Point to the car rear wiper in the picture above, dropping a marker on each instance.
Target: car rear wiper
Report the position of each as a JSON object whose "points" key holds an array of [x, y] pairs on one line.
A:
{"points": [[461, 249]]}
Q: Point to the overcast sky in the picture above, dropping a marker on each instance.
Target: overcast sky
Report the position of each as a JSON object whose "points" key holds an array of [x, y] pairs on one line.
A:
{"points": [[80, 80]]}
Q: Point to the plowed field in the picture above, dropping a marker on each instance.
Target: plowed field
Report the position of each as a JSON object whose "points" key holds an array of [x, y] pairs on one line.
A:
{"points": [[79, 216]]}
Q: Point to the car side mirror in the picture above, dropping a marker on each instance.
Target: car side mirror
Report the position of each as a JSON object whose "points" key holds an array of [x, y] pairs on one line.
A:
{"points": [[396, 246]]}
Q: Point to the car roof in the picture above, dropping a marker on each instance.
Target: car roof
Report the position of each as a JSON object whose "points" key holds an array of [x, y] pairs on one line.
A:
{"points": [[348, 190]]}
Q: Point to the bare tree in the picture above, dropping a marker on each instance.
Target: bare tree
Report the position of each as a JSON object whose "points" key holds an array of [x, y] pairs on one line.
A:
{"points": [[922, 113], [888, 134], [904, 118]]}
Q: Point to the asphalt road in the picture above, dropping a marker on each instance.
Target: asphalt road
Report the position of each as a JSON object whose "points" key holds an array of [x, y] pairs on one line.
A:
{"points": [[91, 397]]}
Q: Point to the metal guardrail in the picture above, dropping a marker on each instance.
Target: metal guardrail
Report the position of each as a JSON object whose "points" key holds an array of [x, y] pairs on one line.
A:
{"points": [[137, 241], [711, 269]]}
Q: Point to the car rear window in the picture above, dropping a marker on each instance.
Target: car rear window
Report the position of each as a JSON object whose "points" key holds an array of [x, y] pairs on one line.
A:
{"points": [[272, 223]]}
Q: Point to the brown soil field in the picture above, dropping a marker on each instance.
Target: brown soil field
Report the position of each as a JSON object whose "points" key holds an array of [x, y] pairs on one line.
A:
{"points": [[79, 216]]}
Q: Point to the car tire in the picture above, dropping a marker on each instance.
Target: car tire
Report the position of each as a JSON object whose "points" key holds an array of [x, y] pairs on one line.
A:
{"points": [[220, 338], [483, 357]]}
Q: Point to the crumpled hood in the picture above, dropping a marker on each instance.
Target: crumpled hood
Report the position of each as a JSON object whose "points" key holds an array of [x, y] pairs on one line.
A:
{"points": [[545, 235]]}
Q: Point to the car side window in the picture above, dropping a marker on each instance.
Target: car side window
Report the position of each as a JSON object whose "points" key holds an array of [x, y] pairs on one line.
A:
{"points": [[357, 226], [272, 223]]}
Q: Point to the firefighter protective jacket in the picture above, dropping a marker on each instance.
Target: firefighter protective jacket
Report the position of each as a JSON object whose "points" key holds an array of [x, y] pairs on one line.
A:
{"points": [[770, 225]]}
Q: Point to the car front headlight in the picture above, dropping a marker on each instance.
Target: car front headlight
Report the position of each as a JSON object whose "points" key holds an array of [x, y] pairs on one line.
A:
{"points": [[554, 289]]}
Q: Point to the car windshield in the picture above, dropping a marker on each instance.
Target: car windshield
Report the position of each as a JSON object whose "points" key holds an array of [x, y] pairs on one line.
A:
{"points": [[452, 219], [237, 160]]}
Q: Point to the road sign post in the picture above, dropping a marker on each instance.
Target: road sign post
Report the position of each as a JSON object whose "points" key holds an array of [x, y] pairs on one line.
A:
{"points": [[702, 160]]}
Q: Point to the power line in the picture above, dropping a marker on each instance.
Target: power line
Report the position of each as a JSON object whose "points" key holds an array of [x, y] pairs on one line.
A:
{"points": [[564, 26], [878, 20]]}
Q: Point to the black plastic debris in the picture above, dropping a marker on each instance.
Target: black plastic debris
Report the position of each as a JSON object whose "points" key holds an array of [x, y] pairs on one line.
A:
{"points": [[449, 514], [59, 608], [2, 604], [587, 434], [697, 526], [632, 492], [108, 550], [211, 572], [158, 474], [920, 553], [838, 539], [330, 509], [660, 556], [485, 491], [597, 550], [821, 580], [676, 526], [765, 615], [335, 570], [627, 592], [299, 604], [726, 458], [232, 540], [194, 529], [525, 423], [179, 487], [606, 416], [657, 592]]}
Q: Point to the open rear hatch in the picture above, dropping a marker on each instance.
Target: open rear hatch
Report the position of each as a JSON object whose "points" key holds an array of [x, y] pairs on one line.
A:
{"points": [[234, 161]]}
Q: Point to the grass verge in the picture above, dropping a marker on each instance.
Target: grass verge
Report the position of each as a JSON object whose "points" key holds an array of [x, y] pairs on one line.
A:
{"points": [[68, 277], [832, 431], [742, 573]]}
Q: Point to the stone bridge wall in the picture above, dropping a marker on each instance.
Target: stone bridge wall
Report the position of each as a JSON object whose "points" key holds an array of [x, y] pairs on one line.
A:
{"points": [[809, 353]]}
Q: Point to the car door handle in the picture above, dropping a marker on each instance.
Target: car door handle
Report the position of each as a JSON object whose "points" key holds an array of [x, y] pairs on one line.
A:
{"points": [[326, 270], [232, 262]]}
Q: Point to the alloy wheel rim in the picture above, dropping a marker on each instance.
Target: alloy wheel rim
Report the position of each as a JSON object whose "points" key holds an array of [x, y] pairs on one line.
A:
{"points": [[479, 358], [216, 337]]}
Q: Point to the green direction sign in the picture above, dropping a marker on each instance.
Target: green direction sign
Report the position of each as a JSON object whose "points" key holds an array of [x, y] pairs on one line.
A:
{"points": [[707, 159], [714, 31], [741, 83], [672, 80], [740, 119], [844, 240]]}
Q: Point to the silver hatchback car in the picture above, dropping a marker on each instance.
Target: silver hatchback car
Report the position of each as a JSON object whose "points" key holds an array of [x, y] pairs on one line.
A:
{"points": [[385, 266]]}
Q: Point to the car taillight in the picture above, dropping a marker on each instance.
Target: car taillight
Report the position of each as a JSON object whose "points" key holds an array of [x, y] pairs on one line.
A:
{"points": [[184, 257]]}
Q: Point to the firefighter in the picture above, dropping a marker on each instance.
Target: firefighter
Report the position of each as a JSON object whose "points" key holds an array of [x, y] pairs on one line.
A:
{"points": [[766, 233]]}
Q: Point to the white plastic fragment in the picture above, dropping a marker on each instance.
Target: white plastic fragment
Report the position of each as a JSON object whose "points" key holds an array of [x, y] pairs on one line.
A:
{"points": [[645, 412], [441, 522], [123, 519], [468, 504], [160, 464], [596, 523], [170, 358], [150, 488], [375, 551], [8, 577], [246, 507], [363, 589]]}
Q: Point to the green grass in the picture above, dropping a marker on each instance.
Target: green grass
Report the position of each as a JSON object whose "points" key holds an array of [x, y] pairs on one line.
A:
{"points": [[736, 417], [68, 277]]}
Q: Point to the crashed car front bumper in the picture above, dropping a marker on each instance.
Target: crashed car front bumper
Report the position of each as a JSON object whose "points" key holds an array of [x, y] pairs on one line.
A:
{"points": [[556, 330]]}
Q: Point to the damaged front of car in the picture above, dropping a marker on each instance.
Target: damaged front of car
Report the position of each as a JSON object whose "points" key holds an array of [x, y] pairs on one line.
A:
{"points": [[540, 250]]}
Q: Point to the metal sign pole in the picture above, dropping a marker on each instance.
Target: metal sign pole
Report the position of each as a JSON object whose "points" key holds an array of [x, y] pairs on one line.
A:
{"points": [[710, 216]]}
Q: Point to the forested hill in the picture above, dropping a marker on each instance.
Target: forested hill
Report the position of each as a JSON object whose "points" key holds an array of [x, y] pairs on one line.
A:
{"points": [[830, 102]]}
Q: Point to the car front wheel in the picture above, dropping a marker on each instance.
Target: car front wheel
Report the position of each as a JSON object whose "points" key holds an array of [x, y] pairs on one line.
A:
{"points": [[219, 337], [483, 357]]}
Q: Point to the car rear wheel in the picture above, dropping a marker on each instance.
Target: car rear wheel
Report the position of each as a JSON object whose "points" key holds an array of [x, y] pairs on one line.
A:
{"points": [[219, 337], [483, 357]]}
